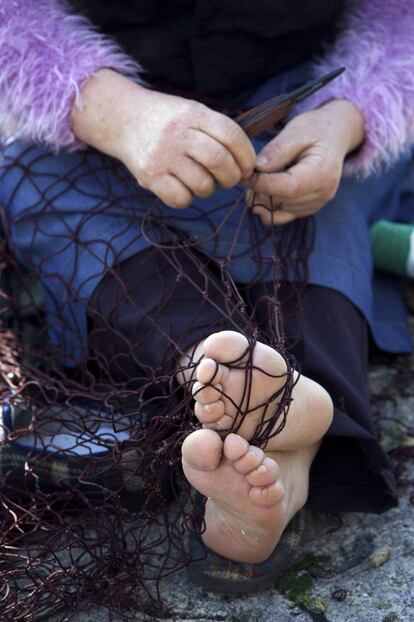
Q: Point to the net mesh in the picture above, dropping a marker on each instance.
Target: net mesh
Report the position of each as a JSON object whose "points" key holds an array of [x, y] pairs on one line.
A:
{"points": [[104, 293]]}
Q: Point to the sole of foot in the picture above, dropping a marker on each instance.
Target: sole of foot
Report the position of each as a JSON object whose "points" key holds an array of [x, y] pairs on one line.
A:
{"points": [[247, 507], [238, 390]]}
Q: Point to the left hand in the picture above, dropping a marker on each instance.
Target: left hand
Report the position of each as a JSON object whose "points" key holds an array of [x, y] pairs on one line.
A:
{"points": [[304, 163]]}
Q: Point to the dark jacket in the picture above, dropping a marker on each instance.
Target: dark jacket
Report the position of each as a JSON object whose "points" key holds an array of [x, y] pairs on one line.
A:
{"points": [[216, 47]]}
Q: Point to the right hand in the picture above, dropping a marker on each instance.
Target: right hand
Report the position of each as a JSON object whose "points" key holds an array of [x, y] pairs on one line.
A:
{"points": [[175, 147]]}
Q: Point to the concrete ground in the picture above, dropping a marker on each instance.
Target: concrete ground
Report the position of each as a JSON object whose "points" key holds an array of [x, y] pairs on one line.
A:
{"points": [[355, 567]]}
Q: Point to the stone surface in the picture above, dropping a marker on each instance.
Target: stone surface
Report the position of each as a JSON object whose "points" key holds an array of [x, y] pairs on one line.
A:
{"points": [[336, 581]]}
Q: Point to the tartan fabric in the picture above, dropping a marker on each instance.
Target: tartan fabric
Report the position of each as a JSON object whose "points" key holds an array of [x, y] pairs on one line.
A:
{"points": [[217, 573]]}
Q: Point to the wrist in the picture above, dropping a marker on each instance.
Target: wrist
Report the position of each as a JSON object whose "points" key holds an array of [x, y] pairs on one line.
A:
{"points": [[349, 122], [106, 101]]}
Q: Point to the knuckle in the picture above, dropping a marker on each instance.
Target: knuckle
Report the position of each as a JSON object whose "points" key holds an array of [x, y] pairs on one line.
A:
{"points": [[330, 192], [205, 187], [217, 157], [199, 109], [234, 132], [189, 110], [278, 148], [151, 171], [231, 179], [141, 181]]}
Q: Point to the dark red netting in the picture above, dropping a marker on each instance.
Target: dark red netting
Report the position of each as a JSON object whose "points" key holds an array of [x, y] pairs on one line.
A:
{"points": [[94, 508]]}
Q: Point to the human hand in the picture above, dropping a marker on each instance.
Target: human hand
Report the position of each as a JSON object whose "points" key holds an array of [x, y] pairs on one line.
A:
{"points": [[174, 147], [304, 163]]}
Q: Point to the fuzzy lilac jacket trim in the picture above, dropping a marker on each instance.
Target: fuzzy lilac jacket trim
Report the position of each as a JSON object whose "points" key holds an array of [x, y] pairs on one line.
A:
{"points": [[46, 54], [376, 45]]}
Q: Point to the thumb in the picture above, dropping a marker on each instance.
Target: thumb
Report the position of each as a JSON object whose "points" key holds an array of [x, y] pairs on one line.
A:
{"points": [[283, 150]]}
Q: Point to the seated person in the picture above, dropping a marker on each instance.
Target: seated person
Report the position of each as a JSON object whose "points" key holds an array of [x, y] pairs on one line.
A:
{"points": [[119, 289]]}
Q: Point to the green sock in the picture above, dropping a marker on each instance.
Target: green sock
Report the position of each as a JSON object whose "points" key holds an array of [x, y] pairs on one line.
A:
{"points": [[393, 247]]}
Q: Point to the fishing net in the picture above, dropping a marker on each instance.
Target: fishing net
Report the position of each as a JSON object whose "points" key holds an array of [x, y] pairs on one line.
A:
{"points": [[104, 292]]}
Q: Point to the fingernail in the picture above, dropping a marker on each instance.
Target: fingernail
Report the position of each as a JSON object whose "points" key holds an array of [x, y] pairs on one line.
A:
{"points": [[262, 160]]}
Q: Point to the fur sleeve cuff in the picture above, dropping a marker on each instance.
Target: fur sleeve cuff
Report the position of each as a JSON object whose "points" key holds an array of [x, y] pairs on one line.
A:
{"points": [[376, 45], [46, 54]]}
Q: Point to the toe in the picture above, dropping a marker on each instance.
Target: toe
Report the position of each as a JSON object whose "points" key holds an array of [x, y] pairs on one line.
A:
{"points": [[265, 474], [235, 447], [267, 496], [210, 372], [202, 450], [209, 413], [250, 461], [227, 346], [224, 423], [206, 394]]}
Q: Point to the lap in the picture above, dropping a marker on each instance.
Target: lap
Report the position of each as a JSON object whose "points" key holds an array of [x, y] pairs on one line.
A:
{"points": [[72, 217]]}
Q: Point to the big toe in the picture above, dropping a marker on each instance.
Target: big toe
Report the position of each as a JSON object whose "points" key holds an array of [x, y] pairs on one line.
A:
{"points": [[226, 346], [202, 450]]}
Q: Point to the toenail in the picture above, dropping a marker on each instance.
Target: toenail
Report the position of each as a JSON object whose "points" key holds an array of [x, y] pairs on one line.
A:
{"points": [[262, 468]]}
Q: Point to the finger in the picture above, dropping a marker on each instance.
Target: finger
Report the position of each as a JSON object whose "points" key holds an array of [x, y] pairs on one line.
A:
{"points": [[284, 149], [299, 211], [257, 199], [299, 203], [172, 191], [311, 178], [249, 197], [282, 214], [305, 206], [289, 185], [318, 170], [270, 218], [305, 209], [197, 178], [317, 175], [214, 157], [228, 133], [268, 211]]}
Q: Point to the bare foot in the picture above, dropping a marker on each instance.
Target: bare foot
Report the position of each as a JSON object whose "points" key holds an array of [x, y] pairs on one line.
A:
{"points": [[223, 403], [249, 502]]}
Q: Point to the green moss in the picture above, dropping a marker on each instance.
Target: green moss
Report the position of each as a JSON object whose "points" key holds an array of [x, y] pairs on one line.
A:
{"points": [[382, 605], [390, 617], [295, 585], [312, 560], [315, 605], [394, 435]]}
